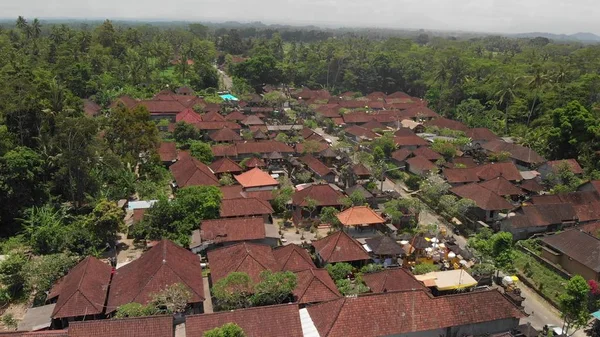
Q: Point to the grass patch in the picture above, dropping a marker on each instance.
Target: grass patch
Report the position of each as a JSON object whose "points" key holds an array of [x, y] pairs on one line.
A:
{"points": [[544, 279]]}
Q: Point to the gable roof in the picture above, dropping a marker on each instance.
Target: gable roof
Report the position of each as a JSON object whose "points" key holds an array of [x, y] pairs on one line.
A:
{"points": [[517, 152], [396, 279], [83, 290], [412, 140], [162, 107], [360, 132], [244, 207], [265, 146], [401, 155], [188, 116], [293, 258], [267, 321], [445, 123], [91, 108], [189, 171], [250, 258], [507, 170], [322, 146], [151, 326], [374, 125], [339, 247], [396, 313], [315, 285], [232, 229], [427, 153], [235, 116], [225, 165], [255, 178], [315, 165], [359, 215], [225, 135], [360, 170], [163, 265], [213, 116], [532, 185], [231, 192], [253, 120], [421, 163], [323, 194], [572, 163], [384, 245], [483, 198], [501, 186], [481, 134], [254, 162], [543, 215], [577, 245], [167, 151], [216, 125]]}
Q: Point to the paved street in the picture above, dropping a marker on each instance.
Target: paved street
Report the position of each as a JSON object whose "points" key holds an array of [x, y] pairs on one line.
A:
{"points": [[540, 312]]}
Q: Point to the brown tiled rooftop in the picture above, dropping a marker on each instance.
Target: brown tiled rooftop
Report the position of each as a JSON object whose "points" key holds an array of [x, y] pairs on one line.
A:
{"points": [[152, 326], [225, 165], [167, 151], [359, 215], [323, 194], [244, 207], [256, 178], [189, 171], [483, 198], [339, 247], [244, 257], [293, 258], [388, 280], [315, 165], [232, 229], [225, 135], [315, 285]]}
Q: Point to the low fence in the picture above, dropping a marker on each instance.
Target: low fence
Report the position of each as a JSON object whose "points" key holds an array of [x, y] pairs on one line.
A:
{"points": [[531, 285], [545, 262]]}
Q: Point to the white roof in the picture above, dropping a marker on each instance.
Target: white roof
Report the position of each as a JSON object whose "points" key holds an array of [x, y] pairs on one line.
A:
{"points": [[142, 204], [308, 326], [37, 318], [449, 279]]}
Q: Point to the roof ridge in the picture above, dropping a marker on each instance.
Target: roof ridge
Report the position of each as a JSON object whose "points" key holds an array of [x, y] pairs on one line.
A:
{"points": [[183, 282], [152, 275]]}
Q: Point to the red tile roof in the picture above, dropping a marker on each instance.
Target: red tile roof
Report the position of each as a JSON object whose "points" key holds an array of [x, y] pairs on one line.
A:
{"points": [[153, 326], [396, 279], [189, 171], [374, 125], [213, 116], [188, 116], [360, 132], [270, 321], [572, 163], [410, 141], [315, 285], [224, 150], [358, 216], [419, 111], [225, 135], [266, 146], [253, 120], [376, 95], [399, 313], [315, 165], [427, 153], [293, 258], [421, 163], [399, 94], [577, 245], [125, 100], [83, 290], [484, 198], [506, 170], [361, 170], [250, 258], [256, 178], [225, 165], [339, 247], [401, 155], [445, 123], [162, 266], [543, 215], [262, 195], [231, 192], [517, 152], [481, 134], [244, 207], [502, 187], [162, 107], [254, 162], [91, 108], [235, 116], [323, 194], [232, 229], [216, 125], [322, 146], [532, 185], [167, 151]]}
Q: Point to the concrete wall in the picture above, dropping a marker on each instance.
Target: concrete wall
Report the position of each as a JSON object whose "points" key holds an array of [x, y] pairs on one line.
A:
{"points": [[261, 188], [575, 267]]}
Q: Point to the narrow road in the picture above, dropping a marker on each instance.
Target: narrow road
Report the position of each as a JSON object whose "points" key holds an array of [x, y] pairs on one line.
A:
{"points": [[225, 79]]}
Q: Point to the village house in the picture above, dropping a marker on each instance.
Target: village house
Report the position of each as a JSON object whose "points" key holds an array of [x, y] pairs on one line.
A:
{"points": [[224, 232], [225, 135], [256, 180], [293, 258], [552, 167], [360, 216], [225, 165], [320, 170], [411, 142], [163, 265], [575, 251], [314, 286], [246, 207], [392, 279], [250, 258], [357, 134], [420, 166], [340, 247], [527, 220], [149, 326], [189, 171], [323, 195], [488, 204], [81, 294], [167, 152], [522, 156]]}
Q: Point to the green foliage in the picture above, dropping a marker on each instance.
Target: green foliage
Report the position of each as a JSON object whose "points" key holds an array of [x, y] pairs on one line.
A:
{"points": [[131, 133], [133, 309], [502, 251], [176, 219], [281, 197], [274, 288], [433, 188], [573, 304], [385, 143], [201, 151], [348, 287], [413, 182], [185, 132], [227, 330], [339, 271], [498, 157], [482, 269], [11, 275], [328, 215], [378, 154], [9, 321], [446, 149], [41, 272], [173, 299], [563, 180], [425, 268], [572, 128], [233, 291], [226, 180], [371, 268]]}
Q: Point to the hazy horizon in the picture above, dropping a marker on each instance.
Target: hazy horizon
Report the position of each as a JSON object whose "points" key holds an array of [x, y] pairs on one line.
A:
{"points": [[486, 16]]}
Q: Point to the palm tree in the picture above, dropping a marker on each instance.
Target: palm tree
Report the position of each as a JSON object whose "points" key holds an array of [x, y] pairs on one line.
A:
{"points": [[537, 80], [507, 94], [36, 28], [21, 23]]}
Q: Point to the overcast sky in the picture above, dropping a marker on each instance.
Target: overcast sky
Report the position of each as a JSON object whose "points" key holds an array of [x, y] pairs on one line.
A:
{"points": [[506, 16]]}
